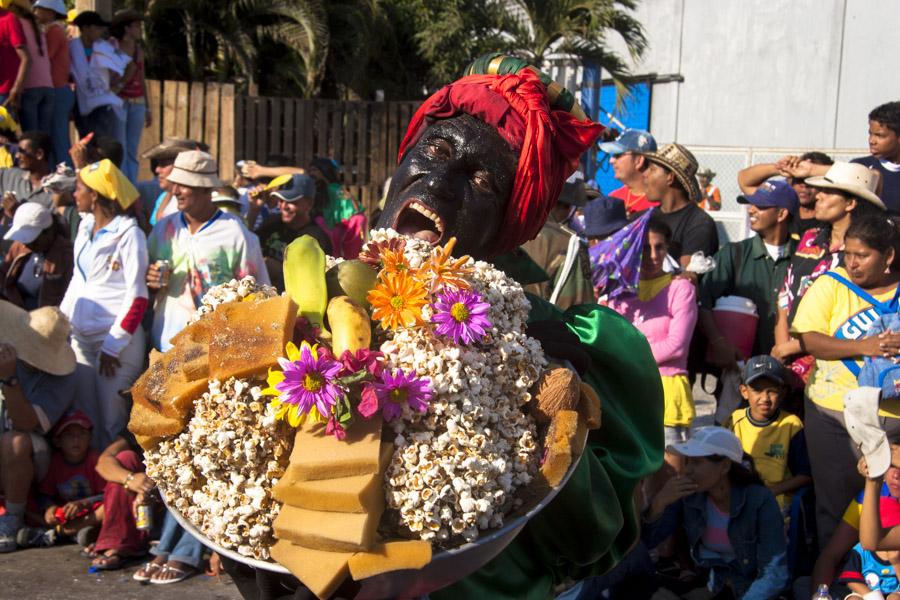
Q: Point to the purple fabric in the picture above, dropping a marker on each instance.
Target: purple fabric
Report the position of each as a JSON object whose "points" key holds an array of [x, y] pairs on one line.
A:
{"points": [[616, 261]]}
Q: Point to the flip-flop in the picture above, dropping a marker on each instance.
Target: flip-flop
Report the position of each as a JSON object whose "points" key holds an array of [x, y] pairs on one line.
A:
{"points": [[151, 568], [89, 552], [181, 575], [113, 562]]}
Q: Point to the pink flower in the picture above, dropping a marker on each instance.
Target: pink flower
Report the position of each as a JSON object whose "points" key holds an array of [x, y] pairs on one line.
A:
{"points": [[362, 360], [393, 392], [334, 428]]}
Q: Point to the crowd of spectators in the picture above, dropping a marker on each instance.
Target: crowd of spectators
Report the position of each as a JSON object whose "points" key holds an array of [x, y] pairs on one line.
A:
{"points": [[98, 269]]}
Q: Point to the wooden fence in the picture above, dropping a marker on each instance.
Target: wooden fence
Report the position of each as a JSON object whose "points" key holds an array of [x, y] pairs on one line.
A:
{"points": [[362, 136]]}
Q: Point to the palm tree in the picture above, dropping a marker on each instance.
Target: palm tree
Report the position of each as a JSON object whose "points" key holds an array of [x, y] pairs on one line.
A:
{"points": [[541, 29]]}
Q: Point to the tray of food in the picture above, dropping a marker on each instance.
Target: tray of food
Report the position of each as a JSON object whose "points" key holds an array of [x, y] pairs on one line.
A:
{"points": [[386, 419]]}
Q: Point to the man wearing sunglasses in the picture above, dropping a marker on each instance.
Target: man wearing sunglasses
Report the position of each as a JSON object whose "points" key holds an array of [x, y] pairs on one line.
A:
{"points": [[628, 164], [23, 183], [751, 178]]}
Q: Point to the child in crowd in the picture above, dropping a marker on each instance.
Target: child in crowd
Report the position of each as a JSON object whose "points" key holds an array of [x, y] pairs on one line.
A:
{"points": [[71, 494], [772, 436], [865, 571]]}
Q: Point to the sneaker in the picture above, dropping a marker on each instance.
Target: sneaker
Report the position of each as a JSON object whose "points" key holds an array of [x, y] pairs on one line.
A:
{"points": [[35, 537], [9, 526]]}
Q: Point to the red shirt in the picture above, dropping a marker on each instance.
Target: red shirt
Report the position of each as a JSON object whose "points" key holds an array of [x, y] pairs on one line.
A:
{"points": [[633, 202], [58, 51], [11, 37], [65, 482]]}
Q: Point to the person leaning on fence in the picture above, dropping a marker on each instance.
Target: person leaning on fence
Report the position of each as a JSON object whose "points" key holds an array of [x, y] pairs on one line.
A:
{"points": [[127, 30], [712, 197]]}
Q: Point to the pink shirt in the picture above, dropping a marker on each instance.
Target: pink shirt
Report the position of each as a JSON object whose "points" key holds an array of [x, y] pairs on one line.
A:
{"points": [[39, 70], [667, 321]]}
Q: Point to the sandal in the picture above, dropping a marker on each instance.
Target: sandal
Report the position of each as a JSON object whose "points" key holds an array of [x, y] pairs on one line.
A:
{"points": [[108, 562], [180, 575], [149, 569], [89, 552]]}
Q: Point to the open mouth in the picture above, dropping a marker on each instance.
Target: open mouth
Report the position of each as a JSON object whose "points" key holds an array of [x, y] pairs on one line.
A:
{"points": [[418, 221]]}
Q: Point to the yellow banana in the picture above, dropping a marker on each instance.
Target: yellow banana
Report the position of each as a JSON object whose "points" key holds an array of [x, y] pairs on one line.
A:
{"points": [[351, 328], [304, 278]]}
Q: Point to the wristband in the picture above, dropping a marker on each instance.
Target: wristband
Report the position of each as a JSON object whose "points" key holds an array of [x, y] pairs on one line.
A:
{"points": [[127, 480]]}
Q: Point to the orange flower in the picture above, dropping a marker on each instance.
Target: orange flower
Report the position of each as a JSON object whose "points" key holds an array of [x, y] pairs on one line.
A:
{"points": [[446, 270], [398, 299], [371, 254], [394, 262]]}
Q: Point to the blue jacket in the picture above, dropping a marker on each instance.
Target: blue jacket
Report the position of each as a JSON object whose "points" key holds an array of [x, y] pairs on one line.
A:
{"points": [[756, 531]]}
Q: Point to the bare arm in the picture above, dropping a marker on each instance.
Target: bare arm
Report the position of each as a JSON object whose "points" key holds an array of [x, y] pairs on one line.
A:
{"points": [[16, 89], [255, 171], [790, 485], [871, 534], [111, 469], [752, 177], [826, 347]]}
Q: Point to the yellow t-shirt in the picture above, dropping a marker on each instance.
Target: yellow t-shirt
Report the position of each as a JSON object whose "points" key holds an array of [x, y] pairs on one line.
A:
{"points": [[830, 307], [768, 445]]}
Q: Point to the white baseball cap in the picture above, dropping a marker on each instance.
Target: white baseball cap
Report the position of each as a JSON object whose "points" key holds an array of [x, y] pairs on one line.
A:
{"points": [[711, 441], [29, 221]]}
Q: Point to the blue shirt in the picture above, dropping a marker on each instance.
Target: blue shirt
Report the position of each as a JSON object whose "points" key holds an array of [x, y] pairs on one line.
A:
{"points": [[864, 566]]}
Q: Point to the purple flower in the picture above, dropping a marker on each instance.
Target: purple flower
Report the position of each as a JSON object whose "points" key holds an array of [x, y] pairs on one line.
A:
{"points": [[461, 315], [393, 392], [309, 380]]}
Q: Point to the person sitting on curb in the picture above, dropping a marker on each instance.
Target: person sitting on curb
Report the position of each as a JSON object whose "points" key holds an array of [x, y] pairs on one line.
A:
{"points": [[36, 366]]}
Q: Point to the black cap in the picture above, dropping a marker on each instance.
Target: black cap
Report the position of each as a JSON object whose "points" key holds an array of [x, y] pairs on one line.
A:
{"points": [[761, 366], [89, 17]]}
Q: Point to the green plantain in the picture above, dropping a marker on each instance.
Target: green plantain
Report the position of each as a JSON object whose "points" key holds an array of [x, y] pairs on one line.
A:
{"points": [[304, 279]]}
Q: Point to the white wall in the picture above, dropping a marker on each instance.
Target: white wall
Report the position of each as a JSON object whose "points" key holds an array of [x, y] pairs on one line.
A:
{"points": [[792, 73]]}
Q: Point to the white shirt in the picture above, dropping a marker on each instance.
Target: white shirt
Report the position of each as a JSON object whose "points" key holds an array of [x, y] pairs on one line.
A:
{"points": [[107, 295], [221, 250]]}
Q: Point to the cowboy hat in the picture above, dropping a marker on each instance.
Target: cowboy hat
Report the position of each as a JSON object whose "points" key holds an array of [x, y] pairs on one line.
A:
{"points": [[706, 172], [196, 169], [40, 337], [855, 179], [681, 162], [171, 147]]}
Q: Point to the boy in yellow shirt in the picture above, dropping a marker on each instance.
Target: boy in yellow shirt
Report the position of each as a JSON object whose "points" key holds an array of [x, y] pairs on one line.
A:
{"points": [[772, 436]]}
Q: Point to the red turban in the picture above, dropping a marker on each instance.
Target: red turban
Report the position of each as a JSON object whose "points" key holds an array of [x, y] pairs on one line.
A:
{"points": [[549, 142]]}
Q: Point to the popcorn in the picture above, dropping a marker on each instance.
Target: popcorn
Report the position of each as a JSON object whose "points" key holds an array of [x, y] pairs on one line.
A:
{"points": [[455, 468], [220, 471], [232, 291]]}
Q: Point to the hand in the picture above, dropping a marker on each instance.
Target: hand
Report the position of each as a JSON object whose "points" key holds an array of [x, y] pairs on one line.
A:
{"points": [[70, 509], [148, 119], [50, 516], [79, 153], [799, 169], [154, 277], [783, 164], [141, 484], [724, 355], [108, 364], [251, 170], [139, 500], [674, 490], [7, 360], [885, 344], [9, 203], [12, 100], [782, 351]]}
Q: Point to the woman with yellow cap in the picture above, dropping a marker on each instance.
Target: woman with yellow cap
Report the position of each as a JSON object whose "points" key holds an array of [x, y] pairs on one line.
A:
{"points": [[107, 297]]}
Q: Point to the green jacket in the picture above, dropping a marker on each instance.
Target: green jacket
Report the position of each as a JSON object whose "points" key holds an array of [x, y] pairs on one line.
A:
{"points": [[592, 523]]}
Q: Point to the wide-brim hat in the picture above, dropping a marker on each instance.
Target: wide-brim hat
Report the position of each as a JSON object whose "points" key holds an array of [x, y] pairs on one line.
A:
{"points": [[683, 165], [855, 179], [706, 172], [126, 15], [197, 169], [171, 147], [604, 216], [40, 337]]}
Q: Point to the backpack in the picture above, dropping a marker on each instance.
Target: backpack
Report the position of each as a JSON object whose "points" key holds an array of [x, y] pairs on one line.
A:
{"points": [[877, 371]]}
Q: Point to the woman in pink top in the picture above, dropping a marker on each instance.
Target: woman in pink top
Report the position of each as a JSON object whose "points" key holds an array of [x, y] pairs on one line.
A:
{"points": [[665, 311], [36, 110], [51, 15]]}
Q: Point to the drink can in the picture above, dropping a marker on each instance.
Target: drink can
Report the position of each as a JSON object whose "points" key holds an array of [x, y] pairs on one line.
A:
{"points": [[144, 519], [165, 271]]}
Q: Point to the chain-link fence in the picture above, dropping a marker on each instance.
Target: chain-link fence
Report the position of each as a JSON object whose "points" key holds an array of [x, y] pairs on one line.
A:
{"points": [[727, 161]]}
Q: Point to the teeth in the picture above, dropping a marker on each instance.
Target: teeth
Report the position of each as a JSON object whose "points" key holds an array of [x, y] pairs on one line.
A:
{"points": [[422, 210]]}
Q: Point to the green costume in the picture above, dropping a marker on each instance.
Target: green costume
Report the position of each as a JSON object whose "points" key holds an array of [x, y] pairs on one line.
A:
{"points": [[593, 522]]}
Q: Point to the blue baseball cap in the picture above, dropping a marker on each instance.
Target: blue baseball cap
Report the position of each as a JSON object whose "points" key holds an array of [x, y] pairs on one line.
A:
{"points": [[773, 193], [631, 140], [761, 366], [604, 216], [299, 186]]}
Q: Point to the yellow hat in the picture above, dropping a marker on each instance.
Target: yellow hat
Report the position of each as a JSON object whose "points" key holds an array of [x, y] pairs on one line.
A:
{"points": [[106, 179], [279, 181], [70, 16], [7, 123]]}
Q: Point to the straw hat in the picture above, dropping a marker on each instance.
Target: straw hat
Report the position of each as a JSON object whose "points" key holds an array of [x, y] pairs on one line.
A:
{"points": [[855, 179], [682, 163], [195, 169], [171, 147], [40, 337]]}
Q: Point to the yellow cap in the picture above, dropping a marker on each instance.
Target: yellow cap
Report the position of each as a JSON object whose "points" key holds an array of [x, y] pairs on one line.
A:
{"points": [[106, 179], [7, 123], [70, 16], [279, 181]]}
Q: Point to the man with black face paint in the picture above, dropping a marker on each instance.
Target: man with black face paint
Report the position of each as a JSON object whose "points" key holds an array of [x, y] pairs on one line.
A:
{"points": [[484, 160]]}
